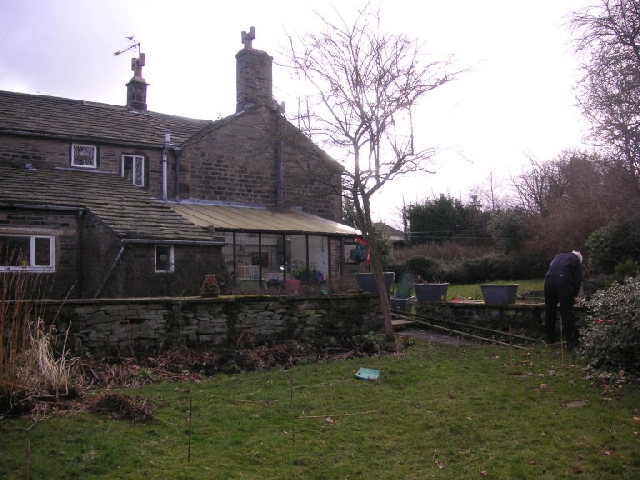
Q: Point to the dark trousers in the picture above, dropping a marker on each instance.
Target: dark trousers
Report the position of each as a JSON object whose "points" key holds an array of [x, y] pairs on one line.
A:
{"points": [[558, 290]]}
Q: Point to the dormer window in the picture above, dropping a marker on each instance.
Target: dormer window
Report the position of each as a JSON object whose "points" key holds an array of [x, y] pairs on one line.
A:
{"points": [[133, 169], [164, 259], [85, 156]]}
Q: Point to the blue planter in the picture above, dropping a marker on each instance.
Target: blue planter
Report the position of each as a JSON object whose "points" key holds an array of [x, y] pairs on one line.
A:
{"points": [[367, 282], [495, 294], [403, 304], [431, 292]]}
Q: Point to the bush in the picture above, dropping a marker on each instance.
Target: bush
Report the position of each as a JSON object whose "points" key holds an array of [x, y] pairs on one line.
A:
{"points": [[611, 340], [624, 270], [428, 268], [614, 244], [495, 266]]}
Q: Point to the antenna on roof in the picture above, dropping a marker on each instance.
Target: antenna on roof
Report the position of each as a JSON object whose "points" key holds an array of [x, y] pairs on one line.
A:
{"points": [[133, 45]]}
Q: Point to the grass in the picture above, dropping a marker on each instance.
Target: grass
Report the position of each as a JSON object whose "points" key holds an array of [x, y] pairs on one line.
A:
{"points": [[437, 411]]}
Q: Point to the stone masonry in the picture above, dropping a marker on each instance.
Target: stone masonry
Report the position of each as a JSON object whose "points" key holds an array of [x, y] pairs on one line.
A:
{"points": [[153, 324]]}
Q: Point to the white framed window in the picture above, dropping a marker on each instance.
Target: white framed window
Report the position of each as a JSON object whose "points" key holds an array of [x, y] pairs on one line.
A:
{"points": [[164, 258], [27, 252], [85, 156], [133, 169]]}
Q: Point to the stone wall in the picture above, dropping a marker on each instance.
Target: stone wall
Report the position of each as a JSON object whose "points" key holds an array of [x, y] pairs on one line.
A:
{"points": [[156, 323], [525, 319], [236, 162]]}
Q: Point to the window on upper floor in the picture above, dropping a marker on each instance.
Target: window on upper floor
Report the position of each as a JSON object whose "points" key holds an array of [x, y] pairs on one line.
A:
{"points": [[133, 169], [85, 156], [164, 258], [27, 252]]}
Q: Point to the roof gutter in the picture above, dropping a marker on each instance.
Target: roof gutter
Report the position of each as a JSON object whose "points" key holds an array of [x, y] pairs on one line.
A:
{"points": [[172, 242], [89, 139], [42, 206]]}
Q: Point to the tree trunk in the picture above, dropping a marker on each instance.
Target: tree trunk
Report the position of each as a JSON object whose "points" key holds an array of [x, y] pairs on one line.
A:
{"points": [[385, 304]]}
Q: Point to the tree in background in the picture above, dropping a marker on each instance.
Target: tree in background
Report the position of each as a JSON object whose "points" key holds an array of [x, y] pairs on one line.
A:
{"points": [[608, 38], [508, 229], [445, 219], [366, 84], [489, 195], [538, 187], [349, 213], [434, 220], [565, 199]]}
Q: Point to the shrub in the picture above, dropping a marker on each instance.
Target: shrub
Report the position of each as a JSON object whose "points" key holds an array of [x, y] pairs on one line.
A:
{"points": [[614, 244], [624, 270], [495, 266], [428, 268], [210, 287], [611, 340]]}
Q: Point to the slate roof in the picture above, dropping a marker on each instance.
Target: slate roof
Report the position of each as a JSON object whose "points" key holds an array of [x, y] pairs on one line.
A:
{"points": [[232, 218], [131, 212], [81, 120]]}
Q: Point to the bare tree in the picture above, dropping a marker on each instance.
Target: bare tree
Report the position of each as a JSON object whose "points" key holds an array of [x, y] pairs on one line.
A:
{"points": [[608, 37], [489, 194], [539, 187], [365, 86]]}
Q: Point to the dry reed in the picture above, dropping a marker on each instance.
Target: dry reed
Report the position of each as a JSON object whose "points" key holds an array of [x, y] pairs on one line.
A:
{"points": [[30, 367]]}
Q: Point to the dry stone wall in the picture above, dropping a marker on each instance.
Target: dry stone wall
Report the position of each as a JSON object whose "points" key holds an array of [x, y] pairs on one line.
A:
{"points": [[153, 324]]}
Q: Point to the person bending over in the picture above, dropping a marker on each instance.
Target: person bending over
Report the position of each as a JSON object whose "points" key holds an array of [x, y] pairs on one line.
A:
{"points": [[561, 286]]}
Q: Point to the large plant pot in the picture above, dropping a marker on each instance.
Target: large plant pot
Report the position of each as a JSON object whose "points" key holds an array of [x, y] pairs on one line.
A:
{"points": [[495, 294], [367, 282], [402, 304], [431, 292]]}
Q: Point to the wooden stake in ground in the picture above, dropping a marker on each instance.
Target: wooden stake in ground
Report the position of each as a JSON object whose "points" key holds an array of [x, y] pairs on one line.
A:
{"points": [[293, 424], [27, 459], [190, 415]]}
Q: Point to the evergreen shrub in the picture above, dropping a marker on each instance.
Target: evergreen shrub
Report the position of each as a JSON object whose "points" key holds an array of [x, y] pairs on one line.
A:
{"points": [[611, 339], [428, 268]]}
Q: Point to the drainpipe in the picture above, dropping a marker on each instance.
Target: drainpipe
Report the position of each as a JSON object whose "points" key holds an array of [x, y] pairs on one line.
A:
{"points": [[110, 271], [278, 156], [177, 151], [165, 149]]}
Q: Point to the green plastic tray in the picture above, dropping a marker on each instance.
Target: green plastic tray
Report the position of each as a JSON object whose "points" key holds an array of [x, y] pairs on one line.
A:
{"points": [[367, 374]]}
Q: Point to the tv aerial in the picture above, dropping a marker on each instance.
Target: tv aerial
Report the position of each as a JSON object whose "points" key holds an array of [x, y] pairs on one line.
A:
{"points": [[133, 44]]}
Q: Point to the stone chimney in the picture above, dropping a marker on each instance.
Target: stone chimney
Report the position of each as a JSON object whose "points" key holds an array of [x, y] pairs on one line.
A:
{"points": [[253, 75], [137, 87]]}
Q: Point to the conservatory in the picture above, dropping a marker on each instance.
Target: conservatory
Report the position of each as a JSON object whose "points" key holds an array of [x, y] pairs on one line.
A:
{"points": [[265, 247]]}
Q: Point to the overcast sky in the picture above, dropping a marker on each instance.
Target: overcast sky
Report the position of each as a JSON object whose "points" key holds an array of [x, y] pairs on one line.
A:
{"points": [[515, 102]]}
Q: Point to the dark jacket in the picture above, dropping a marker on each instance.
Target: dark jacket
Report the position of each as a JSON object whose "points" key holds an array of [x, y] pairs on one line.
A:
{"points": [[568, 267]]}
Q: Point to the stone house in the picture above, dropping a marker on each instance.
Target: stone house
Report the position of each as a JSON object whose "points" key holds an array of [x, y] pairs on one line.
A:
{"points": [[121, 201]]}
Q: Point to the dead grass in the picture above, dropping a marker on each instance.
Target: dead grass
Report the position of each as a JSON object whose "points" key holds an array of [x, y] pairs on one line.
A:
{"points": [[446, 251], [33, 366], [123, 407]]}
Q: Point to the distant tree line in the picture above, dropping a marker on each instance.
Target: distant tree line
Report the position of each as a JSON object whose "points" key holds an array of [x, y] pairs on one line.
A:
{"points": [[576, 201]]}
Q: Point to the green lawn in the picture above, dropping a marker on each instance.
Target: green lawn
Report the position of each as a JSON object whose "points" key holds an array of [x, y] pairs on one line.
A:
{"points": [[437, 411]]}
